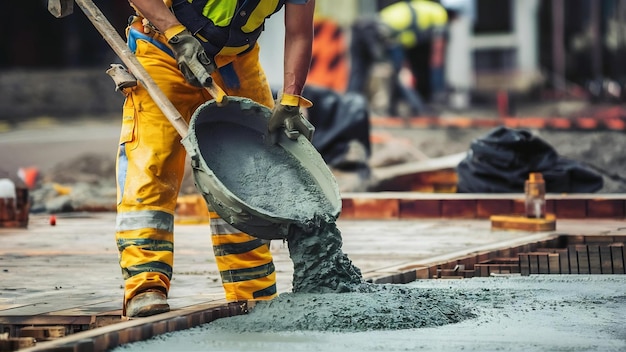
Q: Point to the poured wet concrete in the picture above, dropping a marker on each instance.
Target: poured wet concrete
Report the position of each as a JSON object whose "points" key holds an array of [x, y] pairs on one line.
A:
{"points": [[370, 307], [514, 313]]}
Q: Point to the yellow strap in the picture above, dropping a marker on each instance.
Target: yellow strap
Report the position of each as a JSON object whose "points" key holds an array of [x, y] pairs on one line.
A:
{"points": [[173, 30], [295, 100]]}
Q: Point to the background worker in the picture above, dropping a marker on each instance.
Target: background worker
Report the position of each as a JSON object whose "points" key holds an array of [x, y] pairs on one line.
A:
{"points": [[183, 44], [411, 32], [420, 27]]}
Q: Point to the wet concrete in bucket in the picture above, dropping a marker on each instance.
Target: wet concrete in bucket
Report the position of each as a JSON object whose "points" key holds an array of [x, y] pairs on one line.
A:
{"points": [[264, 175]]}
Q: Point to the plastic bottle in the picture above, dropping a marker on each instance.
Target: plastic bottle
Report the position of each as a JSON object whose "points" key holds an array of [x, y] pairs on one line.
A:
{"points": [[535, 189]]}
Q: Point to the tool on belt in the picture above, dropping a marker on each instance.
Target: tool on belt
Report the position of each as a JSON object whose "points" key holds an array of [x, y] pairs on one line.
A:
{"points": [[246, 116]]}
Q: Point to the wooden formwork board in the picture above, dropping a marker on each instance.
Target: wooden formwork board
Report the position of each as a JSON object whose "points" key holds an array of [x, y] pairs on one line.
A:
{"points": [[133, 330]]}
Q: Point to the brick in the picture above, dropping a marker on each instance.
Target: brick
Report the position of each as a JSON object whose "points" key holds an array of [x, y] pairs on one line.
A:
{"points": [[347, 208], [106, 341], [432, 271], [578, 239], [599, 239], [458, 208], [408, 276], [503, 268], [446, 272], [554, 266], [564, 262], [420, 208], [583, 259], [487, 207], [524, 263], [605, 208], [617, 256], [16, 343], [606, 263], [587, 123], [421, 273], [560, 123], [482, 257], [571, 208], [384, 209], [573, 259], [506, 253], [481, 270], [468, 274], [160, 327], [534, 263], [43, 333], [595, 265], [618, 239], [543, 263]]}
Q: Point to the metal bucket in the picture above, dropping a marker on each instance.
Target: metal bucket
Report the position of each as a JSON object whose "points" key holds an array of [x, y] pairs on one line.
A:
{"points": [[259, 187]]}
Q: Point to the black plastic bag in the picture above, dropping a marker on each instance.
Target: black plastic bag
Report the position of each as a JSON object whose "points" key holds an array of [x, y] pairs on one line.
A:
{"points": [[338, 119], [500, 161]]}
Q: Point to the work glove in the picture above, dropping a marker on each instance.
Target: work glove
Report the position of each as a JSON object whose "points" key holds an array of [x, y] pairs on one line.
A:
{"points": [[192, 60], [287, 114]]}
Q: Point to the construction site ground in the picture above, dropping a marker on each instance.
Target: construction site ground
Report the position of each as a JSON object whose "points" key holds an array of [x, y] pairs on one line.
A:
{"points": [[71, 270], [73, 265]]}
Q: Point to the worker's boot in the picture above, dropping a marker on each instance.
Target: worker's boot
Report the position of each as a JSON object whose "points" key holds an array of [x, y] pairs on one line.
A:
{"points": [[147, 303]]}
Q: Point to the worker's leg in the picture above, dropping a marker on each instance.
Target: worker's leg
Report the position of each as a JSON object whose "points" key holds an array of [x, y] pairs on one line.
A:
{"points": [[419, 60], [150, 167], [245, 262], [365, 50]]}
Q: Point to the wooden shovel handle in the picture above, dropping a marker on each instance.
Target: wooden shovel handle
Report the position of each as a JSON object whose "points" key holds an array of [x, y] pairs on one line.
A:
{"points": [[118, 45]]}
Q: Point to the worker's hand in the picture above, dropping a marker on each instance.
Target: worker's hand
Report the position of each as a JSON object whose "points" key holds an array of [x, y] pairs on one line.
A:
{"points": [[287, 114], [192, 60]]}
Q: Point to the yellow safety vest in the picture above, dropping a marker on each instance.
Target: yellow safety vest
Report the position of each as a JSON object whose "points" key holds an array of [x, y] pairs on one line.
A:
{"points": [[414, 21]]}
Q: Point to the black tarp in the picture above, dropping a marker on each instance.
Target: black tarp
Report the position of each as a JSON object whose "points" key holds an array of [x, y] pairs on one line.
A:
{"points": [[501, 160], [338, 119]]}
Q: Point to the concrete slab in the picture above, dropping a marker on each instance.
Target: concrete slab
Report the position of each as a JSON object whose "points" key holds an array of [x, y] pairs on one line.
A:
{"points": [[534, 313]]}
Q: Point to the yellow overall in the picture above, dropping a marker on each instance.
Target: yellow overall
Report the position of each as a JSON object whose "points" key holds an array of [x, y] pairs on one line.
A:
{"points": [[150, 167]]}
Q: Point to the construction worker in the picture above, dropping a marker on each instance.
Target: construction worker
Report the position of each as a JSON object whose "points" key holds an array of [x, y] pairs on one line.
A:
{"points": [[420, 26], [183, 44], [409, 32]]}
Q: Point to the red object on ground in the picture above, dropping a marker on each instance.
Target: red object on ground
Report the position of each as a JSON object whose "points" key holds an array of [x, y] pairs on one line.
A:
{"points": [[53, 220]]}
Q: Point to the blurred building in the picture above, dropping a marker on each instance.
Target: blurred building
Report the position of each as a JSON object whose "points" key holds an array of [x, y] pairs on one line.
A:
{"points": [[34, 39], [516, 45]]}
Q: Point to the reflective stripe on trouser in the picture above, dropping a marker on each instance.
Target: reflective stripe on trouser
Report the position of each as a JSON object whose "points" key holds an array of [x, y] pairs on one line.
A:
{"points": [[151, 164], [245, 262]]}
